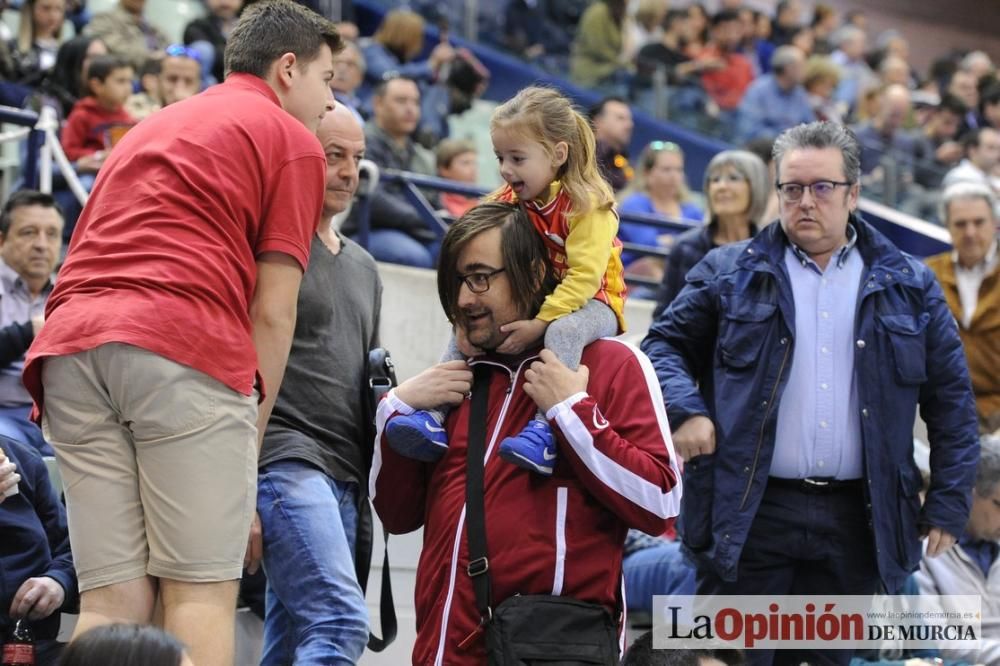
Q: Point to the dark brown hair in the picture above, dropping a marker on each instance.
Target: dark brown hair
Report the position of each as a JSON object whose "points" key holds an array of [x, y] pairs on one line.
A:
{"points": [[525, 259], [267, 30]]}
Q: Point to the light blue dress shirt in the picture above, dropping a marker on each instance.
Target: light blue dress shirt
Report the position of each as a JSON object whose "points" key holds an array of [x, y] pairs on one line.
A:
{"points": [[819, 427]]}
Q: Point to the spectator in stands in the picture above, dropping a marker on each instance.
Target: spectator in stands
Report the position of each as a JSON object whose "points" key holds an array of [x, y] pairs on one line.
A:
{"points": [[457, 160], [971, 567], [659, 189], [989, 107], [393, 50], [127, 33], [736, 188], [398, 232], [212, 31], [612, 121], [963, 86], [598, 59], [37, 580], [651, 566], [978, 64], [776, 101], [970, 278], [855, 74], [180, 74], [764, 46], [824, 22], [84, 138], [644, 26], [893, 70], [314, 462], [125, 645], [495, 250], [451, 96], [686, 96], [349, 74], [63, 86], [937, 147], [820, 81], [698, 25], [981, 148], [814, 491], [209, 224], [787, 21], [726, 85], [888, 151], [31, 226], [40, 33], [146, 101]]}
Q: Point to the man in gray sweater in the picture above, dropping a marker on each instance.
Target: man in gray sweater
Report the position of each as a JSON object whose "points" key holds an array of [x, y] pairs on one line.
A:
{"points": [[311, 496]]}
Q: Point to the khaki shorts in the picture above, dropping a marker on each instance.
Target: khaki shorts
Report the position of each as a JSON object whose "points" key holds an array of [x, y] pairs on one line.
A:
{"points": [[159, 464]]}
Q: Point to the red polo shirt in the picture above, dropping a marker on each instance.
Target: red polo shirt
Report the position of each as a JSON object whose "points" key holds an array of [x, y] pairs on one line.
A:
{"points": [[164, 254]]}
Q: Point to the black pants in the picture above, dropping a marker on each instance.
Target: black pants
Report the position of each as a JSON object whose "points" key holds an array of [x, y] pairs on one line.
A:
{"points": [[814, 541]]}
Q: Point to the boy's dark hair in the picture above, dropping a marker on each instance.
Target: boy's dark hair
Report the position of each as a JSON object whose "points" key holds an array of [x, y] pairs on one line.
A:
{"points": [[22, 199], [101, 66], [271, 28], [123, 644]]}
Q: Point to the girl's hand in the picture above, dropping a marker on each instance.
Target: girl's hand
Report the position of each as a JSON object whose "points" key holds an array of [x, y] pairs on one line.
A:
{"points": [[521, 335]]}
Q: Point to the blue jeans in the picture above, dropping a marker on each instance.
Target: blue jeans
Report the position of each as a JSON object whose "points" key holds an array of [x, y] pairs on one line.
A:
{"points": [[397, 247], [15, 424], [315, 610], [660, 569]]}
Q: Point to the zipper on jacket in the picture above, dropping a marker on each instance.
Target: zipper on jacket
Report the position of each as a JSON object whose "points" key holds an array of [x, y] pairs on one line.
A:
{"points": [[763, 424]]}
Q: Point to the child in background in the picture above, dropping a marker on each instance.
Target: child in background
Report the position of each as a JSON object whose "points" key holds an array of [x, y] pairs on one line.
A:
{"points": [[108, 85], [545, 149], [456, 160], [147, 101]]}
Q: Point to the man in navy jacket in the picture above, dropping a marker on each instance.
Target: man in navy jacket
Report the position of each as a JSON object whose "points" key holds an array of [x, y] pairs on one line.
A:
{"points": [[792, 365], [36, 567]]}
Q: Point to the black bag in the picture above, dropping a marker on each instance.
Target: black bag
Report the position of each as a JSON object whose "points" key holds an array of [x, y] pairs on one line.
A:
{"points": [[531, 629], [381, 378]]}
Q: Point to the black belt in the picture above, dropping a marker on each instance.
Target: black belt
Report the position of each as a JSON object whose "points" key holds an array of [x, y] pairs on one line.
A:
{"points": [[816, 485]]}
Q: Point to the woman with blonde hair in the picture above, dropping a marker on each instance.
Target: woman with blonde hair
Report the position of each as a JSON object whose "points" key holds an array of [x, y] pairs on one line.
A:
{"points": [[39, 35], [736, 190], [395, 46], [659, 189]]}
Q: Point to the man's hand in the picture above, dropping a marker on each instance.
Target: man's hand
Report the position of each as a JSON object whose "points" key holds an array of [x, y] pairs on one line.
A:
{"points": [[695, 437], [37, 598], [9, 478], [91, 163], [255, 546], [521, 335], [464, 346], [548, 382], [442, 384], [938, 541]]}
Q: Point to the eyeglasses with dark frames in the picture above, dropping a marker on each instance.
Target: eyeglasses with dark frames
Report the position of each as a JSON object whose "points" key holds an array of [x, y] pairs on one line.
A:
{"points": [[821, 190], [479, 281]]}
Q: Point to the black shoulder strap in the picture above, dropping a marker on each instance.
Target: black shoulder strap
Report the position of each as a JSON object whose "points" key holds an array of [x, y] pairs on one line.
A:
{"points": [[475, 518], [381, 378]]}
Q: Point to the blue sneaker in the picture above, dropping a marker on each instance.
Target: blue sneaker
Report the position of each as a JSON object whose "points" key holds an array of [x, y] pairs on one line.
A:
{"points": [[533, 448], [419, 435]]}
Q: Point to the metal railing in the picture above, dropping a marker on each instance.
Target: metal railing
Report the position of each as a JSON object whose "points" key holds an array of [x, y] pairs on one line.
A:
{"points": [[42, 134]]}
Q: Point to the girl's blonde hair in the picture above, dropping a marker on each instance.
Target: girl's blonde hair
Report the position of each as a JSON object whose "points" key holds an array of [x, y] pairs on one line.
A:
{"points": [[544, 115]]}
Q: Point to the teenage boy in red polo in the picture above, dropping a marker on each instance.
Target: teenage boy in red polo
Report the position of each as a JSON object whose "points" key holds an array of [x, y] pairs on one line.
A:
{"points": [[175, 307]]}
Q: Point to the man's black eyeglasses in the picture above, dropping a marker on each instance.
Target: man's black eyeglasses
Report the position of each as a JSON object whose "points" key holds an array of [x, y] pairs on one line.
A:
{"points": [[479, 282], [821, 190]]}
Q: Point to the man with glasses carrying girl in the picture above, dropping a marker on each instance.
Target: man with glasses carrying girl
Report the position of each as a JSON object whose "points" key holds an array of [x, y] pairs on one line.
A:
{"points": [[792, 364]]}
